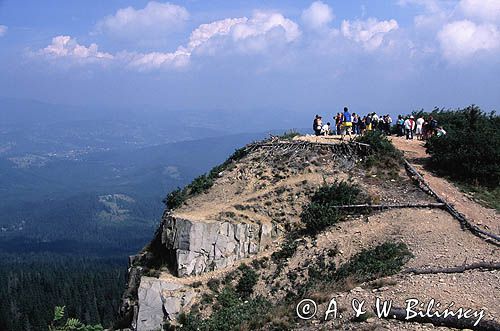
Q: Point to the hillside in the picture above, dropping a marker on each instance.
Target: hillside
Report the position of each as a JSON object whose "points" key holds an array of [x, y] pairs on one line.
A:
{"points": [[286, 220]]}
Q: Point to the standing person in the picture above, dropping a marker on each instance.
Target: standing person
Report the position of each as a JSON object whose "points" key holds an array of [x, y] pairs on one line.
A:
{"points": [[433, 125], [374, 120], [355, 123], [346, 123], [388, 123], [362, 125], [338, 123], [420, 126], [409, 127], [368, 122], [317, 124], [400, 125]]}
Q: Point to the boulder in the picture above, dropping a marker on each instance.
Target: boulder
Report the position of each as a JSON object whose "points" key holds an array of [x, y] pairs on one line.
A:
{"points": [[160, 300]]}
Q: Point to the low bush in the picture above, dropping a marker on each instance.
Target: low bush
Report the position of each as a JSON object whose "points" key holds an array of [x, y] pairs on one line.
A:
{"points": [[321, 212], [233, 309], [470, 151], [369, 264], [383, 153], [289, 135], [380, 261], [247, 282]]}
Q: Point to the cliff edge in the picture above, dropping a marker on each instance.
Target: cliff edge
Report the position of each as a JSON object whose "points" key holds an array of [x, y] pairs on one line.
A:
{"points": [[247, 219]]}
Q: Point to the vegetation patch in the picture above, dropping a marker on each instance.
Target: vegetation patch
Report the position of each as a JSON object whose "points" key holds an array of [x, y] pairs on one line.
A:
{"points": [[470, 151], [384, 156], [70, 324], [380, 261], [489, 197], [321, 212], [369, 264], [247, 281], [233, 309], [289, 135], [202, 183]]}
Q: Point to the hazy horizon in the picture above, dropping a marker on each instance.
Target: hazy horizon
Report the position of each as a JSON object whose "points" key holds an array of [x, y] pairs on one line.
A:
{"points": [[253, 56]]}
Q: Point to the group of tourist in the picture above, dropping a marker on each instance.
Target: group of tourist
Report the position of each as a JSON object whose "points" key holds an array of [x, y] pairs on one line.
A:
{"points": [[421, 128], [347, 123]]}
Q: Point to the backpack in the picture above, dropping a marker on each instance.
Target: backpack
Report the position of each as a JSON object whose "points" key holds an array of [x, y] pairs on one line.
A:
{"points": [[434, 124]]}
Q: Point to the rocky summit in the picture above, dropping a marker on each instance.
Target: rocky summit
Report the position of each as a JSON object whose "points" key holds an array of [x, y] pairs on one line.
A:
{"points": [[305, 218]]}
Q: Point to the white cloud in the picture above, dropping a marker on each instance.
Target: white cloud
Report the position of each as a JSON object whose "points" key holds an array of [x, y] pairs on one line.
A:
{"points": [[263, 22], [317, 15], [154, 20], [263, 32], [460, 40], [436, 12], [370, 33], [243, 33], [3, 30], [65, 46], [488, 10]]}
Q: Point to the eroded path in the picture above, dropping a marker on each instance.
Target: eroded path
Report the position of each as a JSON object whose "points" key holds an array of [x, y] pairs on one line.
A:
{"points": [[485, 218]]}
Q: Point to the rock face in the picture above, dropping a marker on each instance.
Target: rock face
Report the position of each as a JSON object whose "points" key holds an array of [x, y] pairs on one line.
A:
{"points": [[160, 300], [202, 246]]}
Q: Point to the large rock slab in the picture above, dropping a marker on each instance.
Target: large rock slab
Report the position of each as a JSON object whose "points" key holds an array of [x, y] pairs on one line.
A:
{"points": [[160, 300], [202, 246]]}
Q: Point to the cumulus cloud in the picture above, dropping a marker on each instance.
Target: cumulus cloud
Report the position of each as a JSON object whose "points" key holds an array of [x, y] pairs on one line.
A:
{"points": [[436, 12], [488, 10], [243, 34], [460, 40], [154, 20], [370, 33], [262, 32], [65, 46], [317, 15], [3, 30]]}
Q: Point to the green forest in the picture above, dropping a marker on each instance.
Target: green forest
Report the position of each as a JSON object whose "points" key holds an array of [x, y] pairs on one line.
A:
{"points": [[33, 285]]}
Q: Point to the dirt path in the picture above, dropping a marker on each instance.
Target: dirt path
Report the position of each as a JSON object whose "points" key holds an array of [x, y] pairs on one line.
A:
{"points": [[485, 218]]}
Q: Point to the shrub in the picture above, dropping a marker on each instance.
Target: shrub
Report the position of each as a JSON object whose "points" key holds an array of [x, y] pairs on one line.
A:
{"points": [[338, 193], [383, 260], [247, 282], [384, 154], [289, 135], [318, 217], [175, 199], [213, 284], [321, 212], [287, 249], [369, 264], [230, 313], [470, 151]]}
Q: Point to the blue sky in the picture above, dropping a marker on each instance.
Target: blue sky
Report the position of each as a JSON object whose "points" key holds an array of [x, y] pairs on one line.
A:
{"points": [[388, 56]]}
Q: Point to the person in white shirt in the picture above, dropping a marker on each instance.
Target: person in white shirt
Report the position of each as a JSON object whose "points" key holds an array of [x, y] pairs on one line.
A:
{"points": [[325, 129], [440, 132], [420, 125], [409, 127]]}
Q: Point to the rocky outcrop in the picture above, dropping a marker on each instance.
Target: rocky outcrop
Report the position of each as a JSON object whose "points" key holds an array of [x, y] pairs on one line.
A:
{"points": [[159, 301], [202, 246]]}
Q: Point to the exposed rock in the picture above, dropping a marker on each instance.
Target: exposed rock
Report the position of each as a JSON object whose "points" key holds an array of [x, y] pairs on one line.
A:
{"points": [[201, 246], [160, 300]]}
